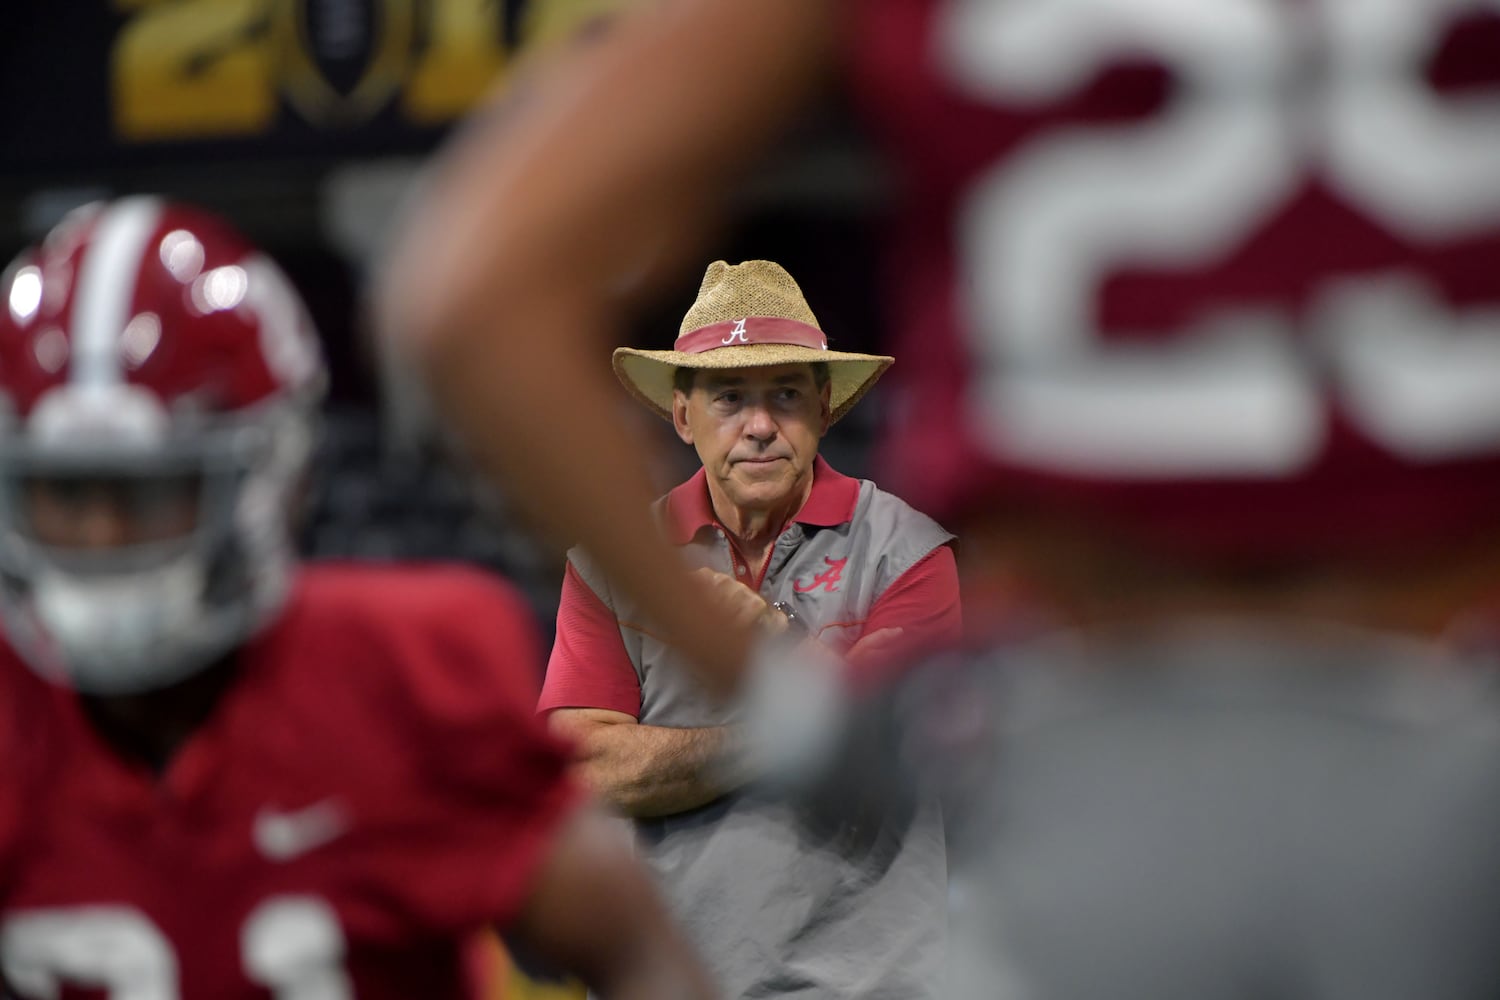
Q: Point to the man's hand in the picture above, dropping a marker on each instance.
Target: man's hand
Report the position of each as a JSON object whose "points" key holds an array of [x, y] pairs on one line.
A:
{"points": [[742, 605]]}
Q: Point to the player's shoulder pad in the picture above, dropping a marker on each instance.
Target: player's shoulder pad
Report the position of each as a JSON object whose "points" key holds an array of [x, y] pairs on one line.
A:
{"points": [[386, 598], [433, 638], [450, 667]]}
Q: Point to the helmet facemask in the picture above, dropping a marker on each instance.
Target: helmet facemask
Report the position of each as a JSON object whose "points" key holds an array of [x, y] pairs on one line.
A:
{"points": [[197, 559]]}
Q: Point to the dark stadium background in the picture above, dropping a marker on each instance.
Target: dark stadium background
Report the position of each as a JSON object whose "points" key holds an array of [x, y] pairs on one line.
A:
{"points": [[315, 179]]}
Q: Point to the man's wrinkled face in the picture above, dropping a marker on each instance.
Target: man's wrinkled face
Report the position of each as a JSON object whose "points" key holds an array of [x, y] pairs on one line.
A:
{"points": [[756, 430]]}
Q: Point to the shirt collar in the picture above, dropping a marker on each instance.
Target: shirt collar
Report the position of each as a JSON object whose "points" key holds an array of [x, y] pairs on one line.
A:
{"points": [[831, 503]]}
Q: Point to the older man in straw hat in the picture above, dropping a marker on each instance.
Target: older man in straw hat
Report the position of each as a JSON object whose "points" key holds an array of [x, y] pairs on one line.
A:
{"points": [[777, 907]]}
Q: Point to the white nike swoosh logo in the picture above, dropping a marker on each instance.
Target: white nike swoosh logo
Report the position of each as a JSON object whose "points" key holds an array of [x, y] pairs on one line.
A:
{"points": [[284, 835]]}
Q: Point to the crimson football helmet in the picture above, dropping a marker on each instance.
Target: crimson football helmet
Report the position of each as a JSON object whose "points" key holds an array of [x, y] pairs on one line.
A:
{"points": [[154, 362]]}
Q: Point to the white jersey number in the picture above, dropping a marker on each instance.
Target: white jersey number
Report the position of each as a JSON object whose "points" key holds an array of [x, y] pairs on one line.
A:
{"points": [[1045, 227], [292, 946]]}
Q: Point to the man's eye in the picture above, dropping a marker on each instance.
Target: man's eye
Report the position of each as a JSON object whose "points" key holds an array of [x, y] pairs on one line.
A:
{"points": [[727, 397]]}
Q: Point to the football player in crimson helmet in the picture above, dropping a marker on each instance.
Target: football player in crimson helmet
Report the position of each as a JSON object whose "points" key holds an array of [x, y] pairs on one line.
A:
{"points": [[161, 383], [228, 775], [1196, 310]]}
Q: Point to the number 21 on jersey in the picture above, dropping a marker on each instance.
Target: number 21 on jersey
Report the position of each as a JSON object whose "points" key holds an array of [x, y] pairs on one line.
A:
{"points": [[292, 946]]}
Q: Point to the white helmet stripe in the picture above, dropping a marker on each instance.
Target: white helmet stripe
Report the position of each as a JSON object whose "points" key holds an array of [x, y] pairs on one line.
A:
{"points": [[106, 285]]}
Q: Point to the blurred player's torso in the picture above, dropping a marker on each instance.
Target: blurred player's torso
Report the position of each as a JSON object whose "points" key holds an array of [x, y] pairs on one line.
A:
{"points": [[1170, 247], [368, 793]]}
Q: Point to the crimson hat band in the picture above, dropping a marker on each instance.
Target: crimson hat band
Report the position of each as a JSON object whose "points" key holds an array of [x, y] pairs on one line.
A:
{"points": [[751, 330]]}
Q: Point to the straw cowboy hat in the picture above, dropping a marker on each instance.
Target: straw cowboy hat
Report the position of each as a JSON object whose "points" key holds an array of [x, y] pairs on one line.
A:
{"points": [[748, 315]]}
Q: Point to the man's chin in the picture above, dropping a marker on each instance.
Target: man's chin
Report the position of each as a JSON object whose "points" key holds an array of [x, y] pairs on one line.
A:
{"points": [[764, 484], [776, 470]]}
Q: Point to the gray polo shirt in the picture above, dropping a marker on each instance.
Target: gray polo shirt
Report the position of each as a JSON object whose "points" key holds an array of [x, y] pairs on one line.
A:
{"points": [[779, 905]]}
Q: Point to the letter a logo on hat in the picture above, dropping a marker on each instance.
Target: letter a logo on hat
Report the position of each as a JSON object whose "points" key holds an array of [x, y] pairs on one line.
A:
{"points": [[737, 333]]}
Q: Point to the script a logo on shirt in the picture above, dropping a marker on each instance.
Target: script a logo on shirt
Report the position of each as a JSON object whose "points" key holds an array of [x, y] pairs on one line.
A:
{"points": [[825, 579]]}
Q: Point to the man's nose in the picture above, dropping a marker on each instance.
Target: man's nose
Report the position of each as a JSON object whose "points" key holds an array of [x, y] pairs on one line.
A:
{"points": [[759, 423]]}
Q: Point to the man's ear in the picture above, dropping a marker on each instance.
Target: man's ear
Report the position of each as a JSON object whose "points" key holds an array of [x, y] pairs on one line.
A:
{"points": [[826, 406], [679, 416]]}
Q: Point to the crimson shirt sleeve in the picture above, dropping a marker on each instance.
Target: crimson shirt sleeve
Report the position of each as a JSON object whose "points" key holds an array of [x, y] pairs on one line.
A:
{"points": [[924, 603], [589, 667]]}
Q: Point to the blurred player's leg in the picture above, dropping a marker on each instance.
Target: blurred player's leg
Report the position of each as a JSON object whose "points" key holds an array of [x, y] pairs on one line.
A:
{"points": [[507, 982]]}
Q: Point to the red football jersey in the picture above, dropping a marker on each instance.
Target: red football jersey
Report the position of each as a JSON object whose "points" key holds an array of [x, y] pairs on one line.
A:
{"points": [[1225, 274], [372, 790]]}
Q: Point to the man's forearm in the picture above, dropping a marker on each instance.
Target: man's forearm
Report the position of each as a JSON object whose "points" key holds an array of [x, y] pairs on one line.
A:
{"points": [[659, 770]]}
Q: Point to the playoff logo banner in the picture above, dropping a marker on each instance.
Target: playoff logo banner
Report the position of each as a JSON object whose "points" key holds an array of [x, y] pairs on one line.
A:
{"points": [[128, 79]]}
